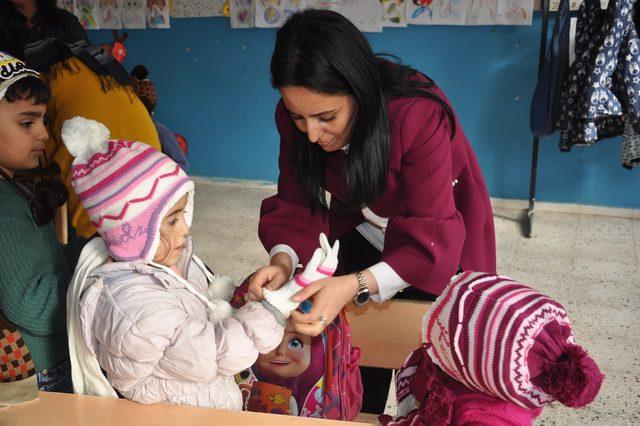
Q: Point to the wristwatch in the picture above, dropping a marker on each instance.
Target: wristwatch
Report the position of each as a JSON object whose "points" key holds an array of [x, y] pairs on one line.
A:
{"points": [[362, 295]]}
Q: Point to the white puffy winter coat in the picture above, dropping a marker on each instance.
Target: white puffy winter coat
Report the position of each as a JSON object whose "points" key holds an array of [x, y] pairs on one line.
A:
{"points": [[152, 337]]}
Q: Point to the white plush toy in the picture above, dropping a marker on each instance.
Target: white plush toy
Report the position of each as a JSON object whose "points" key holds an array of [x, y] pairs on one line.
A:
{"points": [[323, 264]]}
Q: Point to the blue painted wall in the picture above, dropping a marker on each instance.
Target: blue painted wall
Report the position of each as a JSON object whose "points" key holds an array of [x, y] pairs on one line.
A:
{"points": [[213, 87]]}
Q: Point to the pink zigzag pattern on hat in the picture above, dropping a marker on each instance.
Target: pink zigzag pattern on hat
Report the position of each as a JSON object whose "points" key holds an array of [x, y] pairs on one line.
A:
{"points": [[98, 224], [99, 158], [518, 354]]}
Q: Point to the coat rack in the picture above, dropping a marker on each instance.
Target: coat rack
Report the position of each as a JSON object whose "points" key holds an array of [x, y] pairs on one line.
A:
{"points": [[528, 227]]}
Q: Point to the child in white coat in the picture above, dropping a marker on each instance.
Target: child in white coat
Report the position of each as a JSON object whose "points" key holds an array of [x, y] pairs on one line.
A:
{"points": [[153, 317]]}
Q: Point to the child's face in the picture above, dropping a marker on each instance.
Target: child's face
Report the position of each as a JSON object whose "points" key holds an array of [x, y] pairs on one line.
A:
{"points": [[290, 359], [173, 235], [22, 134]]}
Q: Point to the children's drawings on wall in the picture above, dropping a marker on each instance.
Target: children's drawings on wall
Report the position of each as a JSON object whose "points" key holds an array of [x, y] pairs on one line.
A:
{"points": [[109, 15], [133, 14], [158, 14], [273, 13], [241, 13], [481, 12], [87, 13], [393, 13], [436, 12], [365, 14], [197, 8], [322, 4], [515, 12]]}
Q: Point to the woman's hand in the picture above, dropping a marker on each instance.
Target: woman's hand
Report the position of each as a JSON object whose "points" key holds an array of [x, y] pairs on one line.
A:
{"points": [[273, 276], [329, 296]]}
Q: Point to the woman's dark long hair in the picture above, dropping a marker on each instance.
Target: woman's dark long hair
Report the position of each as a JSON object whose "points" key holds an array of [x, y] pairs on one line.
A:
{"points": [[323, 51], [13, 34]]}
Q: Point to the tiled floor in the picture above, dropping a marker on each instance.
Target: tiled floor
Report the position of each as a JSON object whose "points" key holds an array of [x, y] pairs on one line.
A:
{"points": [[590, 264]]}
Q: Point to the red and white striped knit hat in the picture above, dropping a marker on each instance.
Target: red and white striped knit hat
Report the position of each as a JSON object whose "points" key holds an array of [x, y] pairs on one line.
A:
{"points": [[126, 187], [502, 338]]}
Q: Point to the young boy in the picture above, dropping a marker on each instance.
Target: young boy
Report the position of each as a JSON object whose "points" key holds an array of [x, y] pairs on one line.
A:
{"points": [[34, 273]]}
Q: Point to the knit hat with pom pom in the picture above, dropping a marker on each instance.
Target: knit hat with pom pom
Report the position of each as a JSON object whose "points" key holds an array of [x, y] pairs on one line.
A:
{"points": [[126, 187], [504, 339]]}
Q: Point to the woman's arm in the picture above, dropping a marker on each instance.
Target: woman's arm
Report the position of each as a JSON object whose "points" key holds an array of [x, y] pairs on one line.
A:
{"points": [[329, 295], [288, 228]]}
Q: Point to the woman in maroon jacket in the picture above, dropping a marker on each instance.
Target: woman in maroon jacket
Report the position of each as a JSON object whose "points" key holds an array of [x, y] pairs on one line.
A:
{"points": [[407, 198]]}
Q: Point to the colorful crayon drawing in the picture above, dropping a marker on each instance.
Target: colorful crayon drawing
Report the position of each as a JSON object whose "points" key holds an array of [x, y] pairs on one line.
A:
{"points": [[109, 15], [241, 13], [436, 12], [481, 12], [393, 13], [133, 14], [86, 11], [158, 14], [273, 13], [515, 12]]}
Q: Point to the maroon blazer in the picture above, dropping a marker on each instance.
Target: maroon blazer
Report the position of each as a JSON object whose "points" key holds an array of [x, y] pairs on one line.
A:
{"points": [[435, 225]]}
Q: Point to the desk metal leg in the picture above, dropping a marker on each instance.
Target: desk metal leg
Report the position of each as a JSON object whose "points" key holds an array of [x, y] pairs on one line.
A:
{"points": [[532, 189], [528, 226]]}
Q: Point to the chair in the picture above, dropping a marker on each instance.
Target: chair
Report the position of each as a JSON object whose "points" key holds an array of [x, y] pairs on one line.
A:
{"points": [[387, 333]]}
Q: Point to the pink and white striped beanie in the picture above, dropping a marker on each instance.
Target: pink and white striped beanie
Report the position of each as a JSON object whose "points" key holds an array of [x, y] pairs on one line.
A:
{"points": [[126, 187], [502, 338]]}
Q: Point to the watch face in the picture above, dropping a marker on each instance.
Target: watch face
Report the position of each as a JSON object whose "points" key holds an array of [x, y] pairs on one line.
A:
{"points": [[362, 298]]}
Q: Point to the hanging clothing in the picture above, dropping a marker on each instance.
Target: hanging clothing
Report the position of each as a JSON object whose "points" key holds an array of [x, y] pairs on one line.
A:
{"points": [[545, 104], [576, 126], [599, 99], [627, 75], [630, 152]]}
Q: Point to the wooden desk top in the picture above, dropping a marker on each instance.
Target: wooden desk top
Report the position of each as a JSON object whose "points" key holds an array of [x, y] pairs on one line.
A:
{"points": [[58, 409]]}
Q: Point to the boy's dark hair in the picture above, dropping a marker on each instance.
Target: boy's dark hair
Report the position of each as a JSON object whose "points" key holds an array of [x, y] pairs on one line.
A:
{"points": [[29, 88]]}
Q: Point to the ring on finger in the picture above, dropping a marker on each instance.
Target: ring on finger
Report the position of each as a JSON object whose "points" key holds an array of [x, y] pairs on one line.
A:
{"points": [[323, 320]]}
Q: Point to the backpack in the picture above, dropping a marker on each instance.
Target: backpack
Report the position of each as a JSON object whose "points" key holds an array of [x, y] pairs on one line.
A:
{"points": [[18, 380], [329, 388]]}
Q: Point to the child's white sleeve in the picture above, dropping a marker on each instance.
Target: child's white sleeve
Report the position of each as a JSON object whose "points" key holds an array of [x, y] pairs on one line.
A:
{"points": [[240, 338], [261, 326]]}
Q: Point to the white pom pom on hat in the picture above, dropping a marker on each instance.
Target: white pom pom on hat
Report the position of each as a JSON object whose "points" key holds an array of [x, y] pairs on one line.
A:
{"points": [[83, 137]]}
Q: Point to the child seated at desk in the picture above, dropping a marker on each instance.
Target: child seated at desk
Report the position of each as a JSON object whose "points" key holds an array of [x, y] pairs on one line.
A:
{"points": [[154, 317]]}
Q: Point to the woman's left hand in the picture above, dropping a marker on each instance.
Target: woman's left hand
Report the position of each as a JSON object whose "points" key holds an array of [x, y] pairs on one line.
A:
{"points": [[329, 296]]}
